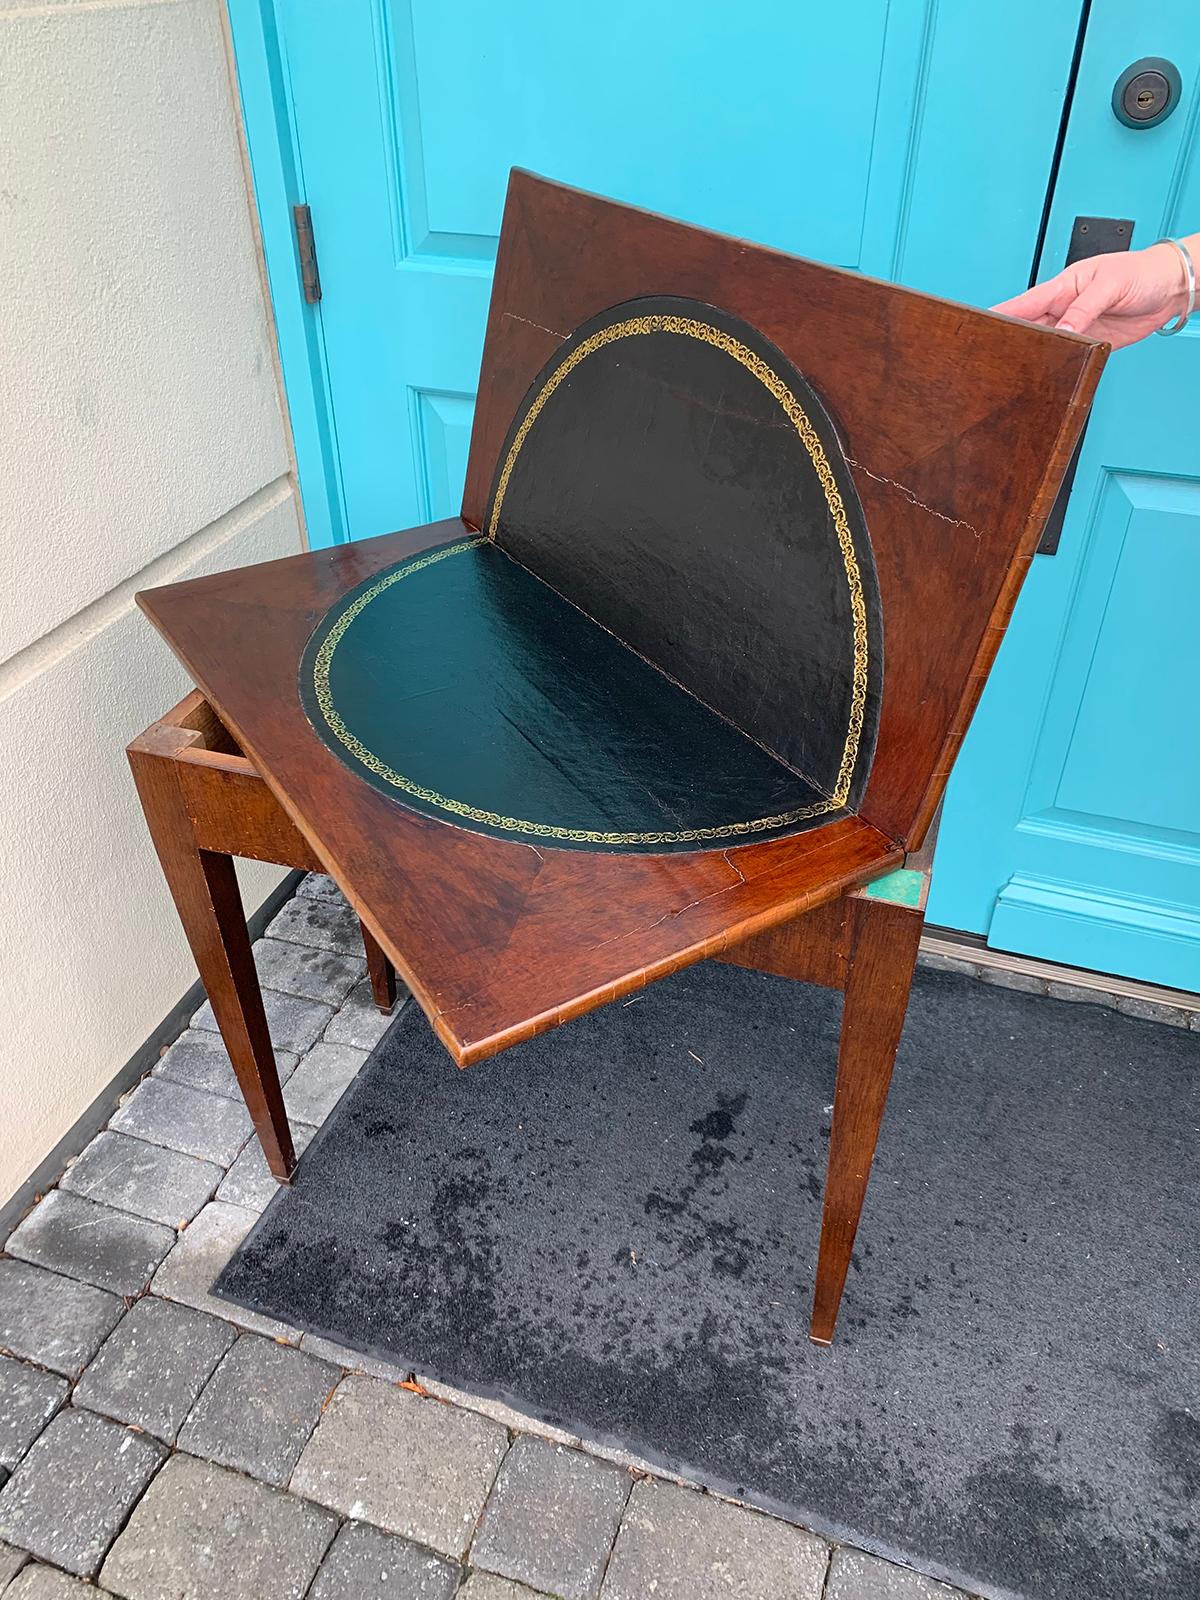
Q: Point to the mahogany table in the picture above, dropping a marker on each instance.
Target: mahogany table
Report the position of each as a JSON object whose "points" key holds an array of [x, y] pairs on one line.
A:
{"points": [[739, 541]]}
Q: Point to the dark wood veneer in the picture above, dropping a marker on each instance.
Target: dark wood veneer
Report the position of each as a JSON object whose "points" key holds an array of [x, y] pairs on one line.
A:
{"points": [[957, 423]]}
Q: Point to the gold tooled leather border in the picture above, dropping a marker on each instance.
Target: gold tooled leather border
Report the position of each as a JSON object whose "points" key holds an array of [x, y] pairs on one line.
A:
{"points": [[689, 327], [693, 328]]}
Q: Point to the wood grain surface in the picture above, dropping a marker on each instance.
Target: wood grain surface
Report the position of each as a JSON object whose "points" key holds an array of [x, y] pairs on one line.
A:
{"points": [[957, 425]]}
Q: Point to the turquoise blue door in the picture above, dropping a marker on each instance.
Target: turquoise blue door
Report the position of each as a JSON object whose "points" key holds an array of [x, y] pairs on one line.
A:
{"points": [[907, 139], [1072, 826], [876, 135]]}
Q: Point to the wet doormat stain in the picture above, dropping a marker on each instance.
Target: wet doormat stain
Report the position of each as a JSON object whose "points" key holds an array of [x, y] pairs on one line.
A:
{"points": [[614, 1227]]}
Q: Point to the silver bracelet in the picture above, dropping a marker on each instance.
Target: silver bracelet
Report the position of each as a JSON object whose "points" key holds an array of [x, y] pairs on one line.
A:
{"points": [[1189, 278]]}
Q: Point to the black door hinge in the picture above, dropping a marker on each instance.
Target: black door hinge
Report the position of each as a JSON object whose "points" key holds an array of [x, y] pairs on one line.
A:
{"points": [[306, 247]]}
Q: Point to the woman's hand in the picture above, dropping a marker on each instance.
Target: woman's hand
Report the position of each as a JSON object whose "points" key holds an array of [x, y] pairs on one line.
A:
{"points": [[1119, 298]]}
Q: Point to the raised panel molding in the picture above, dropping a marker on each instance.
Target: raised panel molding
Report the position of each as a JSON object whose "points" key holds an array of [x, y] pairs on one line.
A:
{"points": [[1062, 827], [442, 437], [1131, 652], [912, 144], [1078, 925], [640, 125], [400, 116]]}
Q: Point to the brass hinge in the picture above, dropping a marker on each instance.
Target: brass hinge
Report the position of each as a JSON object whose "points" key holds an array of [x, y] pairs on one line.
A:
{"points": [[307, 249]]}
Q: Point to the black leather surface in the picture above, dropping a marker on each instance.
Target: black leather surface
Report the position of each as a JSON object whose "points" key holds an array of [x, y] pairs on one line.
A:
{"points": [[465, 688], [672, 640], [665, 472]]}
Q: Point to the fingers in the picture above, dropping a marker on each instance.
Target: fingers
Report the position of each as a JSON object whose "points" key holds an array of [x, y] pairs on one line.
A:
{"points": [[1073, 300], [1093, 300], [1045, 302]]}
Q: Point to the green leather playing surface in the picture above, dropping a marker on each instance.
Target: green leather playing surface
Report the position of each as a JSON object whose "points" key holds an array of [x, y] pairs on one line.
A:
{"points": [[462, 685], [670, 637]]}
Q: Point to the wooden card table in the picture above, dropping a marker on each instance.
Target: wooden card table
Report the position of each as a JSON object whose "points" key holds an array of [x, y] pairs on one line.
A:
{"points": [[739, 541]]}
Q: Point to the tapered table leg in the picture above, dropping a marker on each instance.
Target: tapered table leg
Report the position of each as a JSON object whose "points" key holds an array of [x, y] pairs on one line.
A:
{"points": [[381, 971], [204, 887], [882, 953]]}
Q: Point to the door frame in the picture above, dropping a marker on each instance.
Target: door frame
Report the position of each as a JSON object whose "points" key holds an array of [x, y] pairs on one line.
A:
{"points": [[259, 68]]}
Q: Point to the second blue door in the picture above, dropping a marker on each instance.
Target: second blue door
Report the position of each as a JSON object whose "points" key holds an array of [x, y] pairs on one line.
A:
{"points": [[1072, 826]]}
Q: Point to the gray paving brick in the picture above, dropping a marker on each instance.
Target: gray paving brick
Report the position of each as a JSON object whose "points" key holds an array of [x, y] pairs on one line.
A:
{"points": [[320, 886], [11, 1562], [294, 1023], [343, 1356], [201, 1531], [506, 1416], [189, 1272], [325, 922], [199, 1059], [679, 1544], [151, 1369], [259, 1408], [53, 1320], [854, 1575], [359, 1021], [551, 1519], [69, 1497], [314, 974], [320, 1081], [29, 1397], [249, 1181], [486, 1586], [44, 1583], [413, 1466], [171, 1114], [367, 1564], [94, 1243], [146, 1179], [1132, 1005]]}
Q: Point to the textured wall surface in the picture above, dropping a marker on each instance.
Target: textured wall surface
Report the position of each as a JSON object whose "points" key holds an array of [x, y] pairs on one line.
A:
{"points": [[142, 442]]}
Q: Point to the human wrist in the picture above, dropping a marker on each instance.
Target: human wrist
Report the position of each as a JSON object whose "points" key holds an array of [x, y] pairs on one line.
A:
{"points": [[1173, 273], [1191, 243]]}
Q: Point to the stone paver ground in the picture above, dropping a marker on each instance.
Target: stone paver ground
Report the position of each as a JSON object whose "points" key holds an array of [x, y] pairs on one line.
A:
{"points": [[259, 1408], [151, 1369], [428, 1471], [551, 1519], [71, 1494], [156, 1441]]}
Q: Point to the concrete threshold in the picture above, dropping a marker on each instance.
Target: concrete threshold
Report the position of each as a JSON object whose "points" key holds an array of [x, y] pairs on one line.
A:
{"points": [[952, 951]]}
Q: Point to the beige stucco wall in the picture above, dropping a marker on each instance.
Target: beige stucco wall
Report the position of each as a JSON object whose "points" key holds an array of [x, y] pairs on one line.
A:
{"points": [[142, 442]]}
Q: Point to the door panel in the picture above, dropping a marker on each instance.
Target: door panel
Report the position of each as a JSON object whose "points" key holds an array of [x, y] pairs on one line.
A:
{"points": [[443, 435], [1133, 678], [1072, 825], [877, 136], [628, 109]]}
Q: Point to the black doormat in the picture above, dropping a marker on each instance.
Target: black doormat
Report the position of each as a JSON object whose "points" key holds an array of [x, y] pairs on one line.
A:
{"points": [[614, 1227]]}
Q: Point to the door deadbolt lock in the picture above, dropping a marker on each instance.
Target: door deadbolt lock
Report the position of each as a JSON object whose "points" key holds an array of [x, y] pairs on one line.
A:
{"points": [[1147, 92]]}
